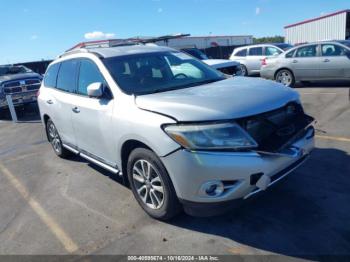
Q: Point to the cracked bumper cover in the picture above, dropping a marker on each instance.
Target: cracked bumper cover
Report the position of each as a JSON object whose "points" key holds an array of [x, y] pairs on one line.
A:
{"points": [[190, 170]]}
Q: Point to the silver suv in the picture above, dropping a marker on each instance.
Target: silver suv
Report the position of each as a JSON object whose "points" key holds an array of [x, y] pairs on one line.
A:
{"points": [[181, 133]]}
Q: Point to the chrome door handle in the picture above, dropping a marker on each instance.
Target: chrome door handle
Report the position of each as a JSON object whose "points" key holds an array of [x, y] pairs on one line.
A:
{"points": [[50, 102], [295, 61], [76, 109], [326, 60]]}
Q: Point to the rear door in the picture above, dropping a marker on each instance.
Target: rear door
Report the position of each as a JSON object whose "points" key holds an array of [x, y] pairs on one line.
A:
{"points": [[254, 59], [334, 63], [306, 63], [92, 117], [62, 98]]}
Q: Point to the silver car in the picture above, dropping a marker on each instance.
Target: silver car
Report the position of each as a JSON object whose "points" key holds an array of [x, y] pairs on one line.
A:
{"points": [[310, 62], [182, 135], [250, 57]]}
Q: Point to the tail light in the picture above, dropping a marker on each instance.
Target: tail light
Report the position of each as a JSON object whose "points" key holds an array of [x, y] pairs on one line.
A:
{"points": [[38, 93], [263, 62]]}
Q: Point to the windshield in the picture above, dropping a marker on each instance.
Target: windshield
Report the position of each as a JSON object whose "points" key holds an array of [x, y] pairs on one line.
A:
{"points": [[196, 53], [12, 70], [159, 72]]}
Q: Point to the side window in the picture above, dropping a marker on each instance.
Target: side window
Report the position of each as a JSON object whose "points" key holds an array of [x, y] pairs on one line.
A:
{"points": [[271, 51], [306, 51], [256, 51], [51, 75], [241, 53], [66, 79], [88, 74], [290, 54], [332, 50]]}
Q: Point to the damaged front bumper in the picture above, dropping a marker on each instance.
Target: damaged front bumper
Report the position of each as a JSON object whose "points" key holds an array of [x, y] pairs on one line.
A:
{"points": [[242, 174]]}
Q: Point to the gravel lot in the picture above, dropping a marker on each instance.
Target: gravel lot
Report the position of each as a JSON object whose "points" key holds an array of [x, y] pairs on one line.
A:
{"points": [[55, 206]]}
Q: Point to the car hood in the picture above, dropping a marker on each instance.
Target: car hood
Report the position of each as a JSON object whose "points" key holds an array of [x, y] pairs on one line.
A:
{"points": [[227, 99], [18, 77], [220, 63]]}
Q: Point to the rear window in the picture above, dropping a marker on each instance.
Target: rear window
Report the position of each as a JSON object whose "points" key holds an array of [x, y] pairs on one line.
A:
{"points": [[271, 51], [66, 79], [51, 75], [256, 51]]}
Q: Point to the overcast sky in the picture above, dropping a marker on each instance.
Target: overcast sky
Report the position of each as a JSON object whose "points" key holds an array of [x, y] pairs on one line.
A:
{"points": [[42, 29]]}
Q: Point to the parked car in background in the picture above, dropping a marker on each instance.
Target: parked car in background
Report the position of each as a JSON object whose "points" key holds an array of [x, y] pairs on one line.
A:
{"points": [[226, 66], [182, 134], [250, 57], [310, 62], [20, 82]]}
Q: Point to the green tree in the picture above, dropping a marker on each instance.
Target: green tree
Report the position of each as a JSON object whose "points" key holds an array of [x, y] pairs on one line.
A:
{"points": [[269, 39]]}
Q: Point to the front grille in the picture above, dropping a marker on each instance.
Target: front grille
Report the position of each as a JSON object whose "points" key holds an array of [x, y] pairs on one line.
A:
{"points": [[231, 70], [274, 129], [19, 86]]}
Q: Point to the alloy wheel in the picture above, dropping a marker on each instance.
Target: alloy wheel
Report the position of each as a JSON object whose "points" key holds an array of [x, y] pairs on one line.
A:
{"points": [[285, 78], [148, 184], [54, 137]]}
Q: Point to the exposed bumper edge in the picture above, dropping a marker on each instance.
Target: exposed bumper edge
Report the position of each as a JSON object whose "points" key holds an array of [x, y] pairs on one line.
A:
{"points": [[282, 174]]}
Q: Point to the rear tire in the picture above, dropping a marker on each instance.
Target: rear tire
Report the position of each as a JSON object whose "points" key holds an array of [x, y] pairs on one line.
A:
{"points": [[151, 185], [55, 140], [244, 70], [285, 77]]}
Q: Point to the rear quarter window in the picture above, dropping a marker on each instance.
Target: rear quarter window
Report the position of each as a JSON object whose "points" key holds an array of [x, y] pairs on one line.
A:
{"points": [[290, 54], [241, 53], [51, 75]]}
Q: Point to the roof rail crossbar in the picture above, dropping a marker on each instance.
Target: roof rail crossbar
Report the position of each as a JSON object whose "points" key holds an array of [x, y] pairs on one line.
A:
{"points": [[123, 42], [164, 38]]}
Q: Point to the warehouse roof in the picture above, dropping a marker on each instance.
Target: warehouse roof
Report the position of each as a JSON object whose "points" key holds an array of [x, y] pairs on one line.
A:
{"points": [[318, 18]]}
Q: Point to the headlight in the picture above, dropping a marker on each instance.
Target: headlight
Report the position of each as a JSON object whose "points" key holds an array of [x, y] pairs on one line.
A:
{"points": [[211, 136]]}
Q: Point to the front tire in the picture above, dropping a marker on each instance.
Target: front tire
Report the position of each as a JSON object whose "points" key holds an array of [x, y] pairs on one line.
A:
{"points": [[55, 140], [151, 185], [285, 77]]}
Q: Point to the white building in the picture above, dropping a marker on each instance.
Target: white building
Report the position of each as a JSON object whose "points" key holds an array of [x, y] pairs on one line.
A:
{"points": [[335, 26], [203, 42]]}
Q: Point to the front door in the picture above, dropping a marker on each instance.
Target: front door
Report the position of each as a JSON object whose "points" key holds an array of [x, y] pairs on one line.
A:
{"points": [[334, 63]]}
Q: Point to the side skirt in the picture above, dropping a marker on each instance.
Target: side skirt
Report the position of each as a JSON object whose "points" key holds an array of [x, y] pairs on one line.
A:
{"points": [[93, 159]]}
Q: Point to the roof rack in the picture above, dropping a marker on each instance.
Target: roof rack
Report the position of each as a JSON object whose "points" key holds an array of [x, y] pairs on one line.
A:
{"points": [[123, 42]]}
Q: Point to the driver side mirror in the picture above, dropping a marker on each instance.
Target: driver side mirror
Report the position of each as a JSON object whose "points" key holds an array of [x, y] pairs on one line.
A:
{"points": [[95, 89]]}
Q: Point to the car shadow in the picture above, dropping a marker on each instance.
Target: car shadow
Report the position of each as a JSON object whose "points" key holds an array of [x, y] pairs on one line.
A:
{"points": [[114, 177], [324, 84], [305, 216]]}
